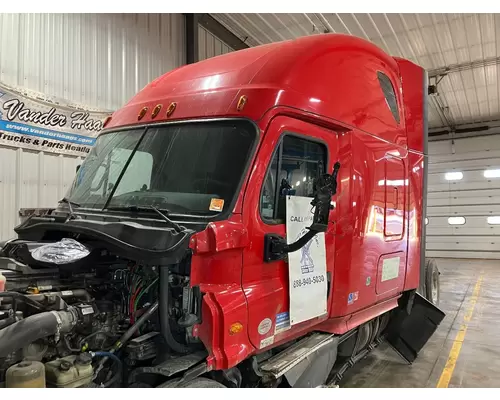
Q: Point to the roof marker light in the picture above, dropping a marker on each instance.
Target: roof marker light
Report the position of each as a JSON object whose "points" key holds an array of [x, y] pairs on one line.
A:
{"points": [[242, 103], [142, 113], [171, 108], [156, 110]]}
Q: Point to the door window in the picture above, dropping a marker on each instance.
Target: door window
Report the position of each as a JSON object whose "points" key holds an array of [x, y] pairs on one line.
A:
{"points": [[297, 162]]}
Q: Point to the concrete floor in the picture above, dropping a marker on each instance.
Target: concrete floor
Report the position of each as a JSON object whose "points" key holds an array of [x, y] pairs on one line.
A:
{"points": [[470, 297]]}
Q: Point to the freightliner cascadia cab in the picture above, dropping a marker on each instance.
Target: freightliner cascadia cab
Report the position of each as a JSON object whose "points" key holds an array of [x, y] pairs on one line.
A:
{"points": [[252, 219]]}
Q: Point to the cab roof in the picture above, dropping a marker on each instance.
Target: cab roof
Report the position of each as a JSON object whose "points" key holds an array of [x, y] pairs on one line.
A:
{"points": [[331, 75]]}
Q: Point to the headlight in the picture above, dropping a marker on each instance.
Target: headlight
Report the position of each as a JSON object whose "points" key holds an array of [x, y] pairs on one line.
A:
{"points": [[63, 252]]}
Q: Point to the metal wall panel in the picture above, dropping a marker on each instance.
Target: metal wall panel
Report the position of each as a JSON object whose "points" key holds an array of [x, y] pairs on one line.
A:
{"points": [[31, 180], [93, 60], [473, 197], [97, 61], [209, 45]]}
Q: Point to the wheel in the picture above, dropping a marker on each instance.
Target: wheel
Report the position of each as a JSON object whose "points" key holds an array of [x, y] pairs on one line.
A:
{"points": [[365, 333], [432, 289]]}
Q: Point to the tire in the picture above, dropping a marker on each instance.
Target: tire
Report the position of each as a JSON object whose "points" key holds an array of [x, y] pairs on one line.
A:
{"points": [[195, 383], [202, 383], [432, 286]]}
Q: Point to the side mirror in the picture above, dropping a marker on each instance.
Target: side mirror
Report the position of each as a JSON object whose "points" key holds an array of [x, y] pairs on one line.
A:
{"points": [[325, 189], [78, 168], [275, 247]]}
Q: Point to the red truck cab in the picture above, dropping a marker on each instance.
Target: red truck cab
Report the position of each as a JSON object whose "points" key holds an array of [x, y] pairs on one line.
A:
{"points": [[223, 145], [342, 99]]}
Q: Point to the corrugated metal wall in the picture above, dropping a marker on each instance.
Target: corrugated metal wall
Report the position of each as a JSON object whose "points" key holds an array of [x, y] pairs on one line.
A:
{"points": [[31, 180], [468, 201], [210, 45], [95, 60]]}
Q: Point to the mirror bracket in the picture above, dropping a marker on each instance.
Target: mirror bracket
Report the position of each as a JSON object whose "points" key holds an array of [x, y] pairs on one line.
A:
{"points": [[276, 247]]}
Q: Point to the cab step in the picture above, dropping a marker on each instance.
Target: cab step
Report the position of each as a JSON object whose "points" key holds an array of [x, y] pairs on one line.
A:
{"points": [[283, 362]]}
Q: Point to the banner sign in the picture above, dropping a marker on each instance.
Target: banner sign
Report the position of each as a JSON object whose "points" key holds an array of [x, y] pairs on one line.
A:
{"points": [[306, 266], [43, 126]]}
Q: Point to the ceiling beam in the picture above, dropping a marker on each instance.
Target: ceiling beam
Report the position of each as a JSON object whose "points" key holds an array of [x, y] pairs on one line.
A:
{"points": [[221, 32], [465, 131], [192, 54], [463, 66]]}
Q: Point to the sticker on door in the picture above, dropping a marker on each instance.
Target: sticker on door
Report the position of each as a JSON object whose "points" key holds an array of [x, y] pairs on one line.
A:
{"points": [[390, 268]]}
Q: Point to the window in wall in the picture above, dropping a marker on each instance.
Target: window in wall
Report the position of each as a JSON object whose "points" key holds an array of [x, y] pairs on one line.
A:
{"points": [[296, 164], [390, 94], [456, 220], [453, 176], [494, 220], [492, 173]]}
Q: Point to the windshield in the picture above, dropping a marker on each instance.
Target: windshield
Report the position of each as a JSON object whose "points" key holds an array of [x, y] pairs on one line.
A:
{"points": [[193, 168]]}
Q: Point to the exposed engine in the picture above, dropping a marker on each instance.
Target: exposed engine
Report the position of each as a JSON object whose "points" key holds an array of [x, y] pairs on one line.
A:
{"points": [[103, 324]]}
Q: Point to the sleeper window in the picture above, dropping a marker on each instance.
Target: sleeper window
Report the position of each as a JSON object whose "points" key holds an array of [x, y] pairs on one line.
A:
{"points": [[296, 164], [389, 94]]}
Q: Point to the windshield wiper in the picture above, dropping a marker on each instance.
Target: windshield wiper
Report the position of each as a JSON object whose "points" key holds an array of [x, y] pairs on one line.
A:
{"points": [[70, 204], [162, 213]]}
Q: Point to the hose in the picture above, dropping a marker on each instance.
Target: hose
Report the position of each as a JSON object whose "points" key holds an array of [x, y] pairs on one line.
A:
{"points": [[117, 361], [129, 332], [293, 247], [25, 298], [163, 297], [68, 345], [34, 327], [134, 328]]}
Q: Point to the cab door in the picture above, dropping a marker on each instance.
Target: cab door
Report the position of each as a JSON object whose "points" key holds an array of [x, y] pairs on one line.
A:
{"points": [[293, 153]]}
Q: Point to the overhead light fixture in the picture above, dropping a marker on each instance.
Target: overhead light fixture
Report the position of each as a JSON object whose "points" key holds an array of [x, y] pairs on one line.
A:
{"points": [[396, 182], [456, 220], [494, 220], [492, 173], [453, 176]]}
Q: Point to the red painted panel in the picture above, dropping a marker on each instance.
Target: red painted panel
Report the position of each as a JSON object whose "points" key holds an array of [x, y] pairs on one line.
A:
{"points": [[266, 284]]}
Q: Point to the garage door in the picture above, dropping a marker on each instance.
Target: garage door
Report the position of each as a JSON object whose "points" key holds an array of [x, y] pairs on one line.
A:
{"points": [[463, 203]]}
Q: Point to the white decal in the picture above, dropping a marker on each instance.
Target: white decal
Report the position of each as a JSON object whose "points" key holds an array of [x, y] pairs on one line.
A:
{"points": [[87, 310], [390, 268], [306, 266], [265, 326], [266, 342]]}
